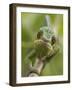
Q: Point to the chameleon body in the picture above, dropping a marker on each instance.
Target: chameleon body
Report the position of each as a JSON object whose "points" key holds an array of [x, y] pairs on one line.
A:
{"points": [[45, 46]]}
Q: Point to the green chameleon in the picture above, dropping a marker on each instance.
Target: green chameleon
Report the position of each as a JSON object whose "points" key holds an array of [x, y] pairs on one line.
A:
{"points": [[45, 46], [46, 43]]}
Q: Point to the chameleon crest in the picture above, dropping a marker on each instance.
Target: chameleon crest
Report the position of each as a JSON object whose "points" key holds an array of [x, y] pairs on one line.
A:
{"points": [[47, 33]]}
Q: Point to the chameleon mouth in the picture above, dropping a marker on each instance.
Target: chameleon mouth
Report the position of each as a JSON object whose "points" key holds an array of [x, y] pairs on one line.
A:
{"points": [[41, 48]]}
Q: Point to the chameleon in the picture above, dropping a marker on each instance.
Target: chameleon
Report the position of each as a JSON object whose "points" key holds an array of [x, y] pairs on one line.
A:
{"points": [[46, 43], [45, 46]]}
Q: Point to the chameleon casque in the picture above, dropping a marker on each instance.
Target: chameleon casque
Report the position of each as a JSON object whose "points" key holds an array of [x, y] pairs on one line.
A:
{"points": [[45, 46]]}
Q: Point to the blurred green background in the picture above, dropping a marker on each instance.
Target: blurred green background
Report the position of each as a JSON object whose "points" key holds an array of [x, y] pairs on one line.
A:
{"points": [[30, 25]]}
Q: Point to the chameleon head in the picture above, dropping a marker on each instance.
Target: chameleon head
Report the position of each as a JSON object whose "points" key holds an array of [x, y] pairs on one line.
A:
{"points": [[46, 34], [44, 42]]}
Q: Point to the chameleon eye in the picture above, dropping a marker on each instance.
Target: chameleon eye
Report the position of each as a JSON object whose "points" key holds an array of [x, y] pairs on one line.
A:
{"points": [[53, 40], [39, 34]]}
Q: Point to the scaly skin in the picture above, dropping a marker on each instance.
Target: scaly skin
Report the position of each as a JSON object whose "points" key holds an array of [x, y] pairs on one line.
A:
{"points": [[46, 43], [45, 46]]}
